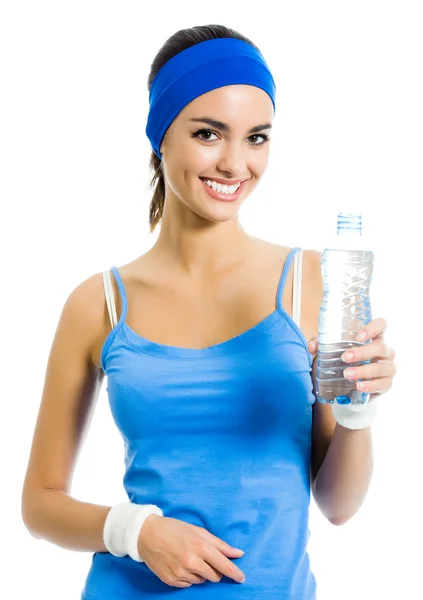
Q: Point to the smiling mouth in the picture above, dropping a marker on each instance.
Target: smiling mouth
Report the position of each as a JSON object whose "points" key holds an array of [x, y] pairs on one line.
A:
{"points": [[229, 188], [223, 193]]}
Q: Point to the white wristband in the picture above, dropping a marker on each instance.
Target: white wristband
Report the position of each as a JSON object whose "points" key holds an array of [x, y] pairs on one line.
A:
{"points": [[123, 525], [355, 416]]}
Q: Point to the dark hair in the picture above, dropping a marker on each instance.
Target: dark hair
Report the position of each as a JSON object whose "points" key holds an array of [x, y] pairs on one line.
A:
{"points": [[179, 41]]}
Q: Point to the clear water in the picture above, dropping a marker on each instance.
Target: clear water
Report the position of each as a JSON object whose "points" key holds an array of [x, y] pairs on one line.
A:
{"points": [[344, 311]]}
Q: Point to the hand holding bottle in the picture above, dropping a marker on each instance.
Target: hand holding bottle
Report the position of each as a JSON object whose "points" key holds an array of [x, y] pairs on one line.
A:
{"points": [[373, 375]]}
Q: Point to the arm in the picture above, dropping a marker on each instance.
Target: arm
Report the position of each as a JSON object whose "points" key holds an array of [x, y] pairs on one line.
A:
{"points": [[342, 466], [71, 386], [341, 458]]}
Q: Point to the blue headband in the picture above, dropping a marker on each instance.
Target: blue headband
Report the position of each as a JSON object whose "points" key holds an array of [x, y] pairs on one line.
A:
{"points": [[200, 69]]}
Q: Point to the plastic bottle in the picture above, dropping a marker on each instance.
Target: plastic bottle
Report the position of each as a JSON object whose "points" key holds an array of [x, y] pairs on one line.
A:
{"points": [[347, 271]]}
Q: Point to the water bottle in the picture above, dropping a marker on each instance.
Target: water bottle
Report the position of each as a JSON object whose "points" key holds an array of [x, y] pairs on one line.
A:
{"points": [[345, 309]]}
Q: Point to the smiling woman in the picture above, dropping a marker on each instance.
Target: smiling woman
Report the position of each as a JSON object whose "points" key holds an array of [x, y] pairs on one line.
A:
{"points": [[204, 345], [229, 155], [220, 101]]}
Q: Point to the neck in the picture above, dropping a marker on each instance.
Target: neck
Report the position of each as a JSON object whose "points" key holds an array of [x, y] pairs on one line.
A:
{"points": [[196, 246]]}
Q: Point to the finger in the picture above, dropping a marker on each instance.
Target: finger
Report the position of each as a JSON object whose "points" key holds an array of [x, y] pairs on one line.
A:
{"points": [[220, 544], [222, 564], [375, 386], [205, 571], [376, 349], [375, 328], [193, 578], [371, 371], [196, 571], [312, 346]]}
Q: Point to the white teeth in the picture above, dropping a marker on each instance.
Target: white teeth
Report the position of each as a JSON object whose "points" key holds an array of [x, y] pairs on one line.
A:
{"points": [[222, 189]]}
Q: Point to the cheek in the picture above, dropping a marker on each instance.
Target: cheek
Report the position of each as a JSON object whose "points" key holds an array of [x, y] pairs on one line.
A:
{"points": [[259, 161], [188, 158], [199, 158], [182, 172]]}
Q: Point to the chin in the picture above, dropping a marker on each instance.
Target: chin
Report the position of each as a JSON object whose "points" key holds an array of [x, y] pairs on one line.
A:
{"points": [[220, 215]]}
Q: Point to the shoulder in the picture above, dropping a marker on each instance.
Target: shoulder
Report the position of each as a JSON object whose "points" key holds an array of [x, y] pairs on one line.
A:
{"points": [[312, 290], [311, 267], [312, 274], [312, 271], [311, 257], [85, 309], [83, 299], [87, 294]]}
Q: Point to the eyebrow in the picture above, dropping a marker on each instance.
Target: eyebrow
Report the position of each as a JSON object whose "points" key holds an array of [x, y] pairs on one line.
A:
{"points": [[224, 127]]}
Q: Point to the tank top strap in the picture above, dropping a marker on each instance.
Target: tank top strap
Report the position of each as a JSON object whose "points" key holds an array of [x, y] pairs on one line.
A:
{"points": [[110, 299], [295, 253]]}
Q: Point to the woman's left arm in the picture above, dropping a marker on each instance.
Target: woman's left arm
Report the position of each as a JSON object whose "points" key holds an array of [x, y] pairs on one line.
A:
{"points": [[342, 458]]}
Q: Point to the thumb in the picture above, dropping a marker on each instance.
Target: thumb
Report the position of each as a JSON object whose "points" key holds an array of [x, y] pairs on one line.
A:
{"points": [[312, 345]]}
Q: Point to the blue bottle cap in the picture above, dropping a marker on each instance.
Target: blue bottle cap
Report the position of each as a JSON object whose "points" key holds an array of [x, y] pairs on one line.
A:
{"points": [[349, 223]]}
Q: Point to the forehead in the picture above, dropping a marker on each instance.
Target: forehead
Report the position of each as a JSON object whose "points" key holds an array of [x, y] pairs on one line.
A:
{"points": [[232, 103]]}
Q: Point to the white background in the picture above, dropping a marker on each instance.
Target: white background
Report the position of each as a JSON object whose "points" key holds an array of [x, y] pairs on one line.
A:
{"points": [[74, 201]]}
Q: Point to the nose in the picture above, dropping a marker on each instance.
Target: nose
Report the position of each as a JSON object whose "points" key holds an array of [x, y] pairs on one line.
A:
{"points": [[232, 159]]}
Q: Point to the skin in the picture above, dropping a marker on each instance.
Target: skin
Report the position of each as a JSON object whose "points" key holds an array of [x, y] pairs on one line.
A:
{"points": [[221, 282]]}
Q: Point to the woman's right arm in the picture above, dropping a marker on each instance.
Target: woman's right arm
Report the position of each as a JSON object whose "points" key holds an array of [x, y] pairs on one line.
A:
{"points": [[179, 553], [71, 387]]}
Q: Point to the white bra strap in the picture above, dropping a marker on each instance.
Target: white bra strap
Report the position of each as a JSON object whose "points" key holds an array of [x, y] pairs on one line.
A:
{"points": [[296, 290], [110, 298]]}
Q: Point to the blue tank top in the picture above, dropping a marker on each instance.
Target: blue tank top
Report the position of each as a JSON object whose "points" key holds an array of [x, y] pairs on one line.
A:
{"points": [[218, 437]]}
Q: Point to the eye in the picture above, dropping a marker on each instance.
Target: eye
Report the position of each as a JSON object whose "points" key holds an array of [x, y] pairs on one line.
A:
{"points": [[264, 137], [206, 132]]}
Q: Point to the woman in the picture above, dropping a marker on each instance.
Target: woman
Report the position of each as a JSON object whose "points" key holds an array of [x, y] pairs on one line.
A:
{"points": [[210, 380]]}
